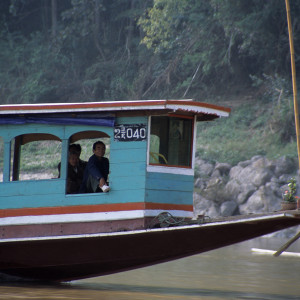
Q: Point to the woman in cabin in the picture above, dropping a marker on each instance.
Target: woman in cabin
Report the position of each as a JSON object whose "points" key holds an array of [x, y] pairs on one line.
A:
{"points": [[96, 171]]}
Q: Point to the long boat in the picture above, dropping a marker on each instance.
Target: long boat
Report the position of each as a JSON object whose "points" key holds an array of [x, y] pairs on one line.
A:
{"points": [[147, 216]]}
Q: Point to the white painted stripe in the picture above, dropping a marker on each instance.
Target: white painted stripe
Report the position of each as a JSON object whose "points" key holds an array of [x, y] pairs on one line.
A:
{"points": [[170, 170], [89, 217]]}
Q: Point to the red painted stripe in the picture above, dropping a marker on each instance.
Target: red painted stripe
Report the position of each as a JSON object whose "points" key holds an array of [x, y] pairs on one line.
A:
{"points": [[90, 209]]}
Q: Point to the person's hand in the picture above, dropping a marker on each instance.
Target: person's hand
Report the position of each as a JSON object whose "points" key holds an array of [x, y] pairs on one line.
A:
{"points": [[102, 182]]}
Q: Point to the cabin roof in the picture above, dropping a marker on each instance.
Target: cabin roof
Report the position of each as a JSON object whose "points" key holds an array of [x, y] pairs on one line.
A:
{"points": [[148, 106]]}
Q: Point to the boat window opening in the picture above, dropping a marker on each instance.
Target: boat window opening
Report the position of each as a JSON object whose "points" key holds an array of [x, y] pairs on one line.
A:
{"points": [[34, 159], [1, 158], [86, 141], [171, 141]]}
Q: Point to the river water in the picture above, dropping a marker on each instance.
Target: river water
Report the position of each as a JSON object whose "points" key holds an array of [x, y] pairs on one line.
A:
{"points": [[233, 272]]}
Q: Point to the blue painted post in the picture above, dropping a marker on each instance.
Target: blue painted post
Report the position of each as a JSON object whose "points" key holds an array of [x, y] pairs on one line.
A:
{"points": [[64, 159], [6, 167]]}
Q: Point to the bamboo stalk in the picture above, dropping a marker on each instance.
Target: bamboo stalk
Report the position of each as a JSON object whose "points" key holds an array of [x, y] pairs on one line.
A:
{"points": [[286, 245], [287, 4]]}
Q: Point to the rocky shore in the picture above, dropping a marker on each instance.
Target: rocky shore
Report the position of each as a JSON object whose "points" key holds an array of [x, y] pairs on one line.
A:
{"points": [[252, 186]]}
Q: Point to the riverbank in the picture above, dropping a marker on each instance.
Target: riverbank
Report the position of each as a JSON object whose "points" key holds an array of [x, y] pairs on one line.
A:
{"points": [[251, 186]]}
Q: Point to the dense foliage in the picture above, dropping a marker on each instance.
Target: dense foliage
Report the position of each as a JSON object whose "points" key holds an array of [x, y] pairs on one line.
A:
{"points": [[91, 50], [82, 50]]}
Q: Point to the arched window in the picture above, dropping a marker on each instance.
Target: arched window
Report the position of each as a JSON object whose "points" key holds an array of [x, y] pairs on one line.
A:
{"points": [[80, 150], [35, 157], [86, 139]]}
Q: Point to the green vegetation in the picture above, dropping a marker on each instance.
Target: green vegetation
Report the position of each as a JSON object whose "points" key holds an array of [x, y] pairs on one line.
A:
{"points": [[252, 129], [232, 53]]}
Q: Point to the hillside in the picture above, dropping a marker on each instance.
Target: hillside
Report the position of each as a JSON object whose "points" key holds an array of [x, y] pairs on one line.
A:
{"points": [[255, 127]]}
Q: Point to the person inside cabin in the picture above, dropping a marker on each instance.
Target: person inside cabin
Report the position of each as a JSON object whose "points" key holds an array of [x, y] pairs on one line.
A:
{"points": [[75, 170], [75, 173], [77, 148], [96, 171], [74, 149]]}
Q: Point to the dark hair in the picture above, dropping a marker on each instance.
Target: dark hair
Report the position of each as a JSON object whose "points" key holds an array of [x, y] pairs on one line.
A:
{"points": [[75, 148], [98, 143]]}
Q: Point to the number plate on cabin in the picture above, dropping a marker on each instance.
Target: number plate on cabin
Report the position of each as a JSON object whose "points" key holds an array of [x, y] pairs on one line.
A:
{"points": [[130, 132]]}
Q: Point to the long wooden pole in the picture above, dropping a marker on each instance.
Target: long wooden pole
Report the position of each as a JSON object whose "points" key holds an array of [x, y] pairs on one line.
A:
{"points": [[288, 10]]}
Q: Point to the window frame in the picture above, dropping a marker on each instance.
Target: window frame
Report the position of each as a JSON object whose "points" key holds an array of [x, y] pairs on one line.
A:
{"points": [[169, 168]]}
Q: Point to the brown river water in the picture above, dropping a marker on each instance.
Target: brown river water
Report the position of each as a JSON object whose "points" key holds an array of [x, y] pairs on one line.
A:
{"points": [[233, 272]]}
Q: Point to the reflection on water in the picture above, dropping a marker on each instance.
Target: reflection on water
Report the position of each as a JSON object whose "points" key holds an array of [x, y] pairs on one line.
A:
{"points": [[229, 273]]}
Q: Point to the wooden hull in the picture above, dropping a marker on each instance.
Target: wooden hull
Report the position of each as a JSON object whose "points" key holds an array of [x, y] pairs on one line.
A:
{"points": [[65, 258]]}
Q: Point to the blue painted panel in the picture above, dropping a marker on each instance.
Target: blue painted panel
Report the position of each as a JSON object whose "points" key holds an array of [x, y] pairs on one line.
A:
{"points": [[55, 200], [132, 120], [127, 183], [114, 196], [171, 185], [116, 145], [46, 200], [70, 130], [169, 188], [32, 187], [169, 176], [128, 155], [127, 169], [127, 178], [169, 197], [11, 131]]}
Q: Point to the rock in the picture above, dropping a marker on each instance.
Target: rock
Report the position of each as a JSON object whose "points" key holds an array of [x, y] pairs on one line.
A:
{"points": [[204, 168], [247, 191], [262, 201], [223, 168], [252, 186], [214, 190], [235, 172], [285, 165], [283, 179], [205, 207], [253, 205], [200, 183], [228, 208]]}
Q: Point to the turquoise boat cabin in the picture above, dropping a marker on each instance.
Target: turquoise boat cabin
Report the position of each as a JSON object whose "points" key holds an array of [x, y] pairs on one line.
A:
{"points": [[150, 146]]}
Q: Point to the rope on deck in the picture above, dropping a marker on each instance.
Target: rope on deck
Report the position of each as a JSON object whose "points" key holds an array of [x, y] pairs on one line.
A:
{"points": [[165, 219]]}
